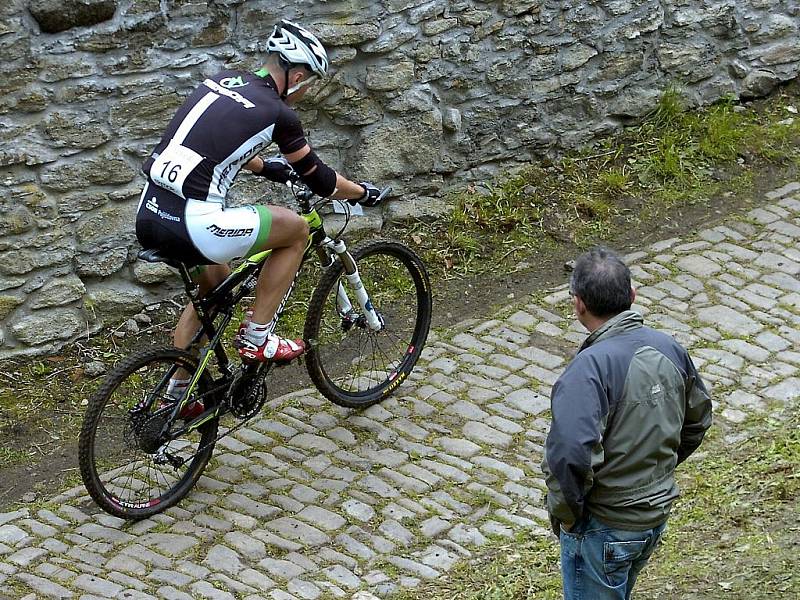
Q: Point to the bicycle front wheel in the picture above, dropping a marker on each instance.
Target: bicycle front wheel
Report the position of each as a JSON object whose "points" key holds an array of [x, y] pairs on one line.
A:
{"points": [[126, 464], [350, 363]]}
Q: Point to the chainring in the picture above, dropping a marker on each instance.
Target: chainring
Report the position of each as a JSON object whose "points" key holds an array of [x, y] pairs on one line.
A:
{"points": [[247, 393]]}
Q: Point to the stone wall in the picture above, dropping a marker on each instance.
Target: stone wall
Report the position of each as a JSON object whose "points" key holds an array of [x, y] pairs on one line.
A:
{"points": [[424, 95]]}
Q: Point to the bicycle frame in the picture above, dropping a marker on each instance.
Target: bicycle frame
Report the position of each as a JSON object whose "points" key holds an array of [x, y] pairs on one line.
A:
{"points": [[242, 282]]}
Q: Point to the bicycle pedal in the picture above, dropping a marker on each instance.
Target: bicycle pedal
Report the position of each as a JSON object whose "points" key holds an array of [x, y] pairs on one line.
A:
{"points": [[296, 360]]}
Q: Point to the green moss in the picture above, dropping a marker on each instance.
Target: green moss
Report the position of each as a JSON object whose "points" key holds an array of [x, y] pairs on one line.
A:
{"points": [[7, 304], [11, 456]]}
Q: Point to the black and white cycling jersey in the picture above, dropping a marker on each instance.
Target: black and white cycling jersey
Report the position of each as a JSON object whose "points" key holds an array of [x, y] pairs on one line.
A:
{"points": [[223, 124]]}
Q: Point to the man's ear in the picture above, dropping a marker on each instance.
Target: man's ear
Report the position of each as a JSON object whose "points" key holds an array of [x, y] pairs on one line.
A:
{"points": [[580, 307], [633, 294]]}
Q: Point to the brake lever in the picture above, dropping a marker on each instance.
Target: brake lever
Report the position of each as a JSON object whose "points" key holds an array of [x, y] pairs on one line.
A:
{"points": [[384, 192]]}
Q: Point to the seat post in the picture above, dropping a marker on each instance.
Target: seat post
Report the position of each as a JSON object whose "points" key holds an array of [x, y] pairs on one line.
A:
{"points": [[187, 282]]}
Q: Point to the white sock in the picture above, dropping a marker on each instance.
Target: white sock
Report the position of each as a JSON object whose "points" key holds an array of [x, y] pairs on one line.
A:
{"points": [[177, 387], [257, 332]]}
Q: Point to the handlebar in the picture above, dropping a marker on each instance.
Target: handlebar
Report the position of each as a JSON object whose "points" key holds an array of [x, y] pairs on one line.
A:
{"points": [[384, 192], [303, 192]]}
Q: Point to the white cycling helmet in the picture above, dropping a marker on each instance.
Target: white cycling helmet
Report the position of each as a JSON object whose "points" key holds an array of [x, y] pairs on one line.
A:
{"points": [[298, 46]]}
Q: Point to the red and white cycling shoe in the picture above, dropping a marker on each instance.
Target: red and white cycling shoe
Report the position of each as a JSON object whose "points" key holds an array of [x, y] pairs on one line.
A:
{"points": [[274, 348]]}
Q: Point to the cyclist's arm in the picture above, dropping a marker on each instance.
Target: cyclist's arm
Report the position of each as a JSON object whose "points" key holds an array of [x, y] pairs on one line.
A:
{"points": [[345, 189], [255, 165]]}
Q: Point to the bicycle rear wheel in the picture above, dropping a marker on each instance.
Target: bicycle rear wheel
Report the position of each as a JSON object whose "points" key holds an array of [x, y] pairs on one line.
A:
{"points": [[127, 468], [351, 364]]}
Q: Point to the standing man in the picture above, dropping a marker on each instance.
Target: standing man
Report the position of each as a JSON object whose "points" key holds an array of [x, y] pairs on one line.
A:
{"points": [[626, 411]]}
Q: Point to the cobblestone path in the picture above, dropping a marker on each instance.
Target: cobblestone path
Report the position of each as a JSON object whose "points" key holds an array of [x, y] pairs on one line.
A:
{"points": [[313, 501]]}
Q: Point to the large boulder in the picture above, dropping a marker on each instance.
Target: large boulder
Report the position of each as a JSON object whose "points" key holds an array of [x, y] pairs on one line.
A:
{"points": [[56, 324], [111, 301], [58, 292], [107, 169], [759, 83], [407, 146]]}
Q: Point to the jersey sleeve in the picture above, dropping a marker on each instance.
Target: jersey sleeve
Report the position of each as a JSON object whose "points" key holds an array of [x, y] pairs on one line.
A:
{"points": [[288, 134], [698, 415]]}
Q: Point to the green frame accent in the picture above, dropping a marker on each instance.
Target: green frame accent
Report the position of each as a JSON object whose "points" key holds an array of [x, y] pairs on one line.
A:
{"points": [[315, 223], [313, 219]]}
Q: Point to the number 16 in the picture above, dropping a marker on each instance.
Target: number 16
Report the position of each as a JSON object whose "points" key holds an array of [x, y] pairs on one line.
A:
{"points": [[173, 172]]}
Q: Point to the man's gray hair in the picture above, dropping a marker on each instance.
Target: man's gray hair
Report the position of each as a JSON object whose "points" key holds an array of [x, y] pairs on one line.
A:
{"points": [[602, 281]]}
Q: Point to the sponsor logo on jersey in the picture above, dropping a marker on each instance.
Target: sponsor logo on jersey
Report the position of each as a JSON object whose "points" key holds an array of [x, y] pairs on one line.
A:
{"points": [[237, 164], [220, 232], [152, 206], [236, 96], [233, 82]]}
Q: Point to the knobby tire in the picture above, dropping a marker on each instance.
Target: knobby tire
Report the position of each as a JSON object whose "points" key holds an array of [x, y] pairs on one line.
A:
{"points": [[390, 354], [125, 375]]}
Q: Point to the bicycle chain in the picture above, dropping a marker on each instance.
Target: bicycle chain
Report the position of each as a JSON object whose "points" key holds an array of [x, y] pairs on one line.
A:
{"points": [[245, 420], [219, 437], [246, 403]]}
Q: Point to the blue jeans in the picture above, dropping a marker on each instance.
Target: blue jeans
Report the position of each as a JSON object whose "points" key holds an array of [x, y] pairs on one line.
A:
{"points": [[599, 562]]}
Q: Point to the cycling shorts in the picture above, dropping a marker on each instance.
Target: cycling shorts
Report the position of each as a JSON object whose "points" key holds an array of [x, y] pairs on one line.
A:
{"points": [[198, 232]]}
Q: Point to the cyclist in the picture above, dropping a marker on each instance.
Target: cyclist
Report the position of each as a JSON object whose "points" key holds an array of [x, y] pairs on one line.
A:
{"points": [[220, 128]]}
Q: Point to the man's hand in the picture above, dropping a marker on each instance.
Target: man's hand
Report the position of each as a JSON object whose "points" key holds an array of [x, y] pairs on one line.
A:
{"points": [[276, 169], [555, 525], [371, 193]]}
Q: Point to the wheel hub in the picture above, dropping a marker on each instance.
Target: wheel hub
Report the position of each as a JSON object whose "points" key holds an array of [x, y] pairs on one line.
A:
{"points": [[147, 431]]}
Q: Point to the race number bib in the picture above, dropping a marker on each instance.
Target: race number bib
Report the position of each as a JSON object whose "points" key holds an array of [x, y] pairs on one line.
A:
{"points": [[173, 166]]}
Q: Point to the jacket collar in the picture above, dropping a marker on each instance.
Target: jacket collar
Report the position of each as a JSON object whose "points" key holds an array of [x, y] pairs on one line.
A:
{"points": [[627, 320]]}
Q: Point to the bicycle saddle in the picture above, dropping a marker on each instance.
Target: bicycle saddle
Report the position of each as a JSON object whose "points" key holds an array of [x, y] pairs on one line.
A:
{"points": [[155, 256]]}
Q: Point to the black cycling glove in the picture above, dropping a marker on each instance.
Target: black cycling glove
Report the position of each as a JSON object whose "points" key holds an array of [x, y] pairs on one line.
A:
{"points": [[370, 197], [276, 169]]}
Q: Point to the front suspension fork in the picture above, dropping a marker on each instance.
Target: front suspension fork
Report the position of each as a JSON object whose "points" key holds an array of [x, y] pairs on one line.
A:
{"points": [[343, 302]]}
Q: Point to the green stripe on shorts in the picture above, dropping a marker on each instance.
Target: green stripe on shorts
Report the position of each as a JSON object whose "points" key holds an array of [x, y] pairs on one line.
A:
{"points": [[265, 224], [197, 271]]}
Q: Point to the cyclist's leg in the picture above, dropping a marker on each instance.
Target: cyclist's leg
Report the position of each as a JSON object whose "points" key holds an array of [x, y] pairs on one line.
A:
{"points": [[224, 234], [162, 222], [287, 239], [208, 277]]}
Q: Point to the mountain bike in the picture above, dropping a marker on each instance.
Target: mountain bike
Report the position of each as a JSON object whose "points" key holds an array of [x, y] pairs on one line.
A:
{"points": [[142, 450]]}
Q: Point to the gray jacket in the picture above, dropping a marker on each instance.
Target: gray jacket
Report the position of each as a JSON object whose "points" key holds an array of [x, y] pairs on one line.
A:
{"points": [[626, 411]]}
